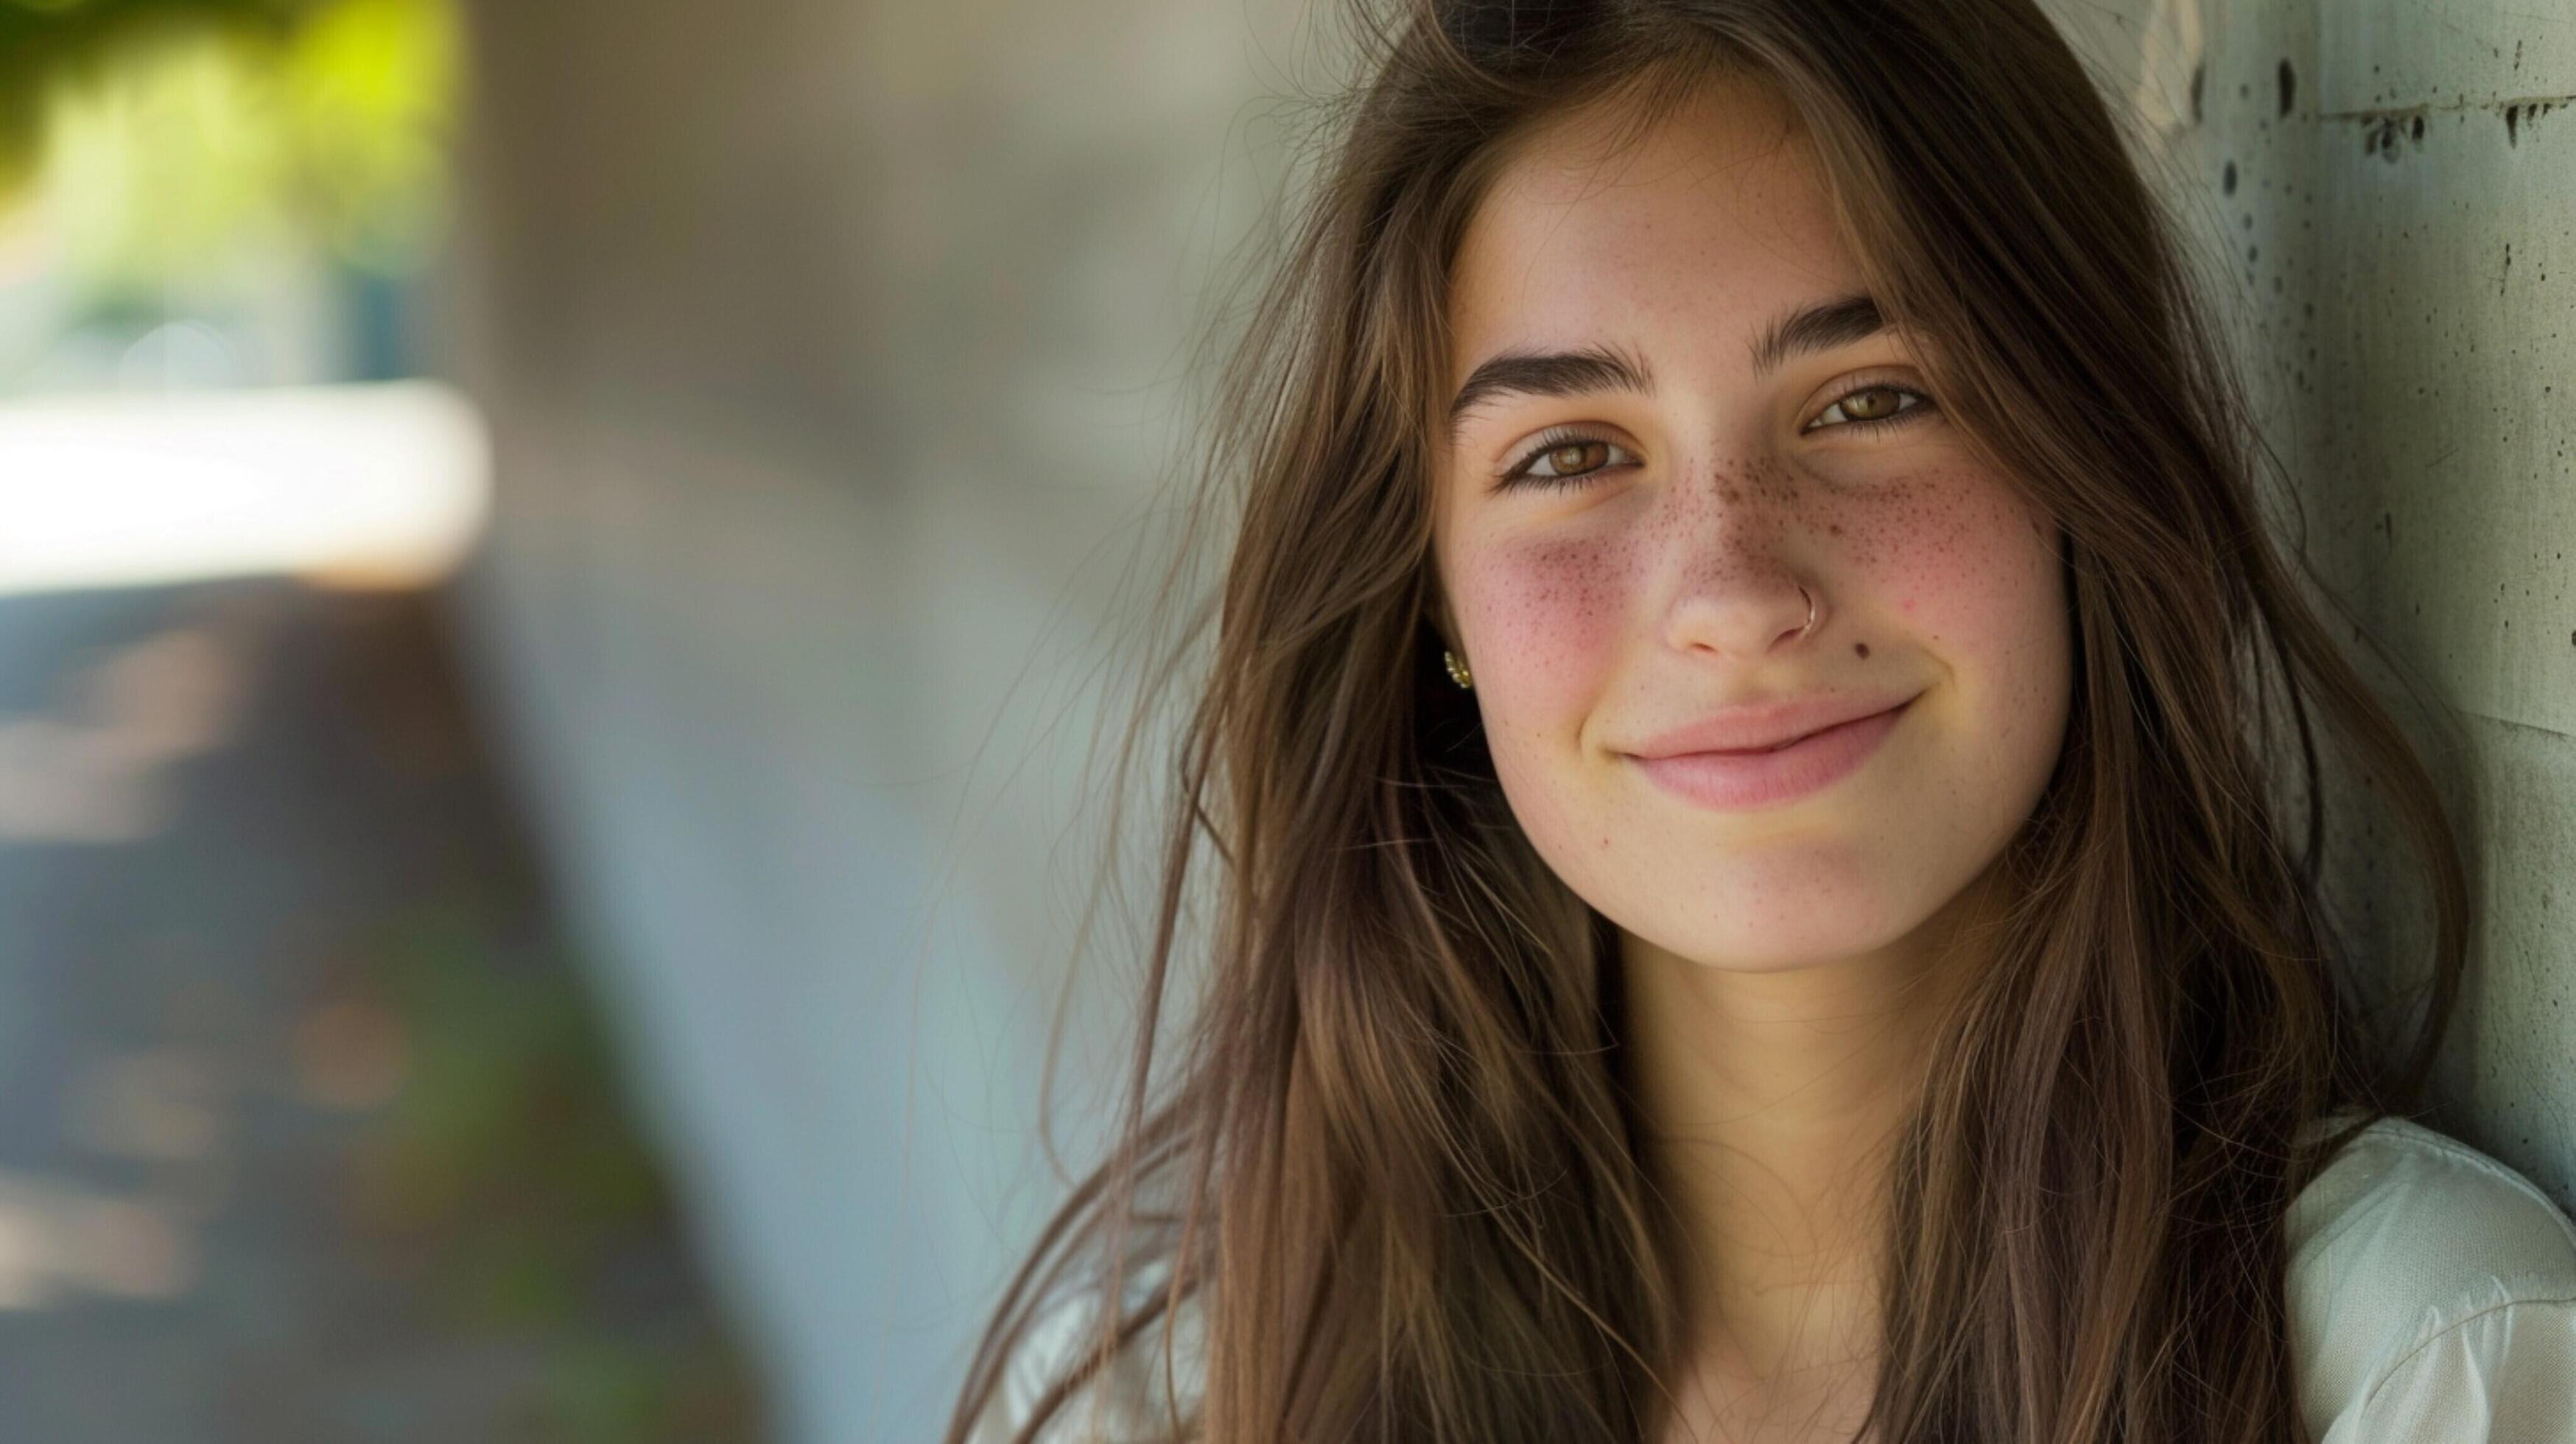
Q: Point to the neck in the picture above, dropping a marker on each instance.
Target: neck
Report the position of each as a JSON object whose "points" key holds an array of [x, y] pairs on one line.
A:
{"points": [[1770, 1104]]}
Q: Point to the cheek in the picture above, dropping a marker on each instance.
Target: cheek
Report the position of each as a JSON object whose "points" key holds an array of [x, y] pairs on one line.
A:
{"points": [[1542, 621], [1970, 571], [1961, 562]]}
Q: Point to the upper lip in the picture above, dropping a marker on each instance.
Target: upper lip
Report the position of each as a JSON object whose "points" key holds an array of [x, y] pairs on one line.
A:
{"points": [[1760, 726]]}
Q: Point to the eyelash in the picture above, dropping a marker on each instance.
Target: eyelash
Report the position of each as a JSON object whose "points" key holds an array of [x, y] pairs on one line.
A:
{"points": [[1555, 438]]}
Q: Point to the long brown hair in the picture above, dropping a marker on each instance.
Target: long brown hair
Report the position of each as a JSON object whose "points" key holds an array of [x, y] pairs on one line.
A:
{"points": [[1391, 1164]]}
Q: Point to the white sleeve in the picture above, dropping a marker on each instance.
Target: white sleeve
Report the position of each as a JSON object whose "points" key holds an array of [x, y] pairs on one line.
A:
{"points": [[1126, 1404], [2506, 1374], [1043, 1354]]}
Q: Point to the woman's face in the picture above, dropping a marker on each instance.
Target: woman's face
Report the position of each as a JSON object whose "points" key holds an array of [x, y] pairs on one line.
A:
{"points": [[1622, 538]]}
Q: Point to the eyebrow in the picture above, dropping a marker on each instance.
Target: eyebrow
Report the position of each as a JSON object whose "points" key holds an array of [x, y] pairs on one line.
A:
{"points": [[1579, 372], [1819, 326]]}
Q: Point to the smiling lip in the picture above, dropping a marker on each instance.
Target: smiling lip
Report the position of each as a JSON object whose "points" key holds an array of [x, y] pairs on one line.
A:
{"points": [[1761, 776]]}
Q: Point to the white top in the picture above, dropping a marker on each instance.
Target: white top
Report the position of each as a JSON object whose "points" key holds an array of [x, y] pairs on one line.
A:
{"points": [[2431, 1296]]}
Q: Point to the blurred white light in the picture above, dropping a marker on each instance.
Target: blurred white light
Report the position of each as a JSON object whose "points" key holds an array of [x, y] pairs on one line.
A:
{"points": [[378, 485], [60, 1238], [179, 354]]}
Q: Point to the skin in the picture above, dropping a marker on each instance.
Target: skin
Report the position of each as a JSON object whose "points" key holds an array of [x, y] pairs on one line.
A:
{"points": [[1784, 962]]}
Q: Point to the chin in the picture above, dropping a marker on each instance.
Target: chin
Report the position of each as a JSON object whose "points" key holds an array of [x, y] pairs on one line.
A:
{"points": [[1773, 953], [1799, 932]]}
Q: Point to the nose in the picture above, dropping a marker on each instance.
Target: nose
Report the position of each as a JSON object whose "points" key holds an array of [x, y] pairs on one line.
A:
{"points": [[1736, 583]]}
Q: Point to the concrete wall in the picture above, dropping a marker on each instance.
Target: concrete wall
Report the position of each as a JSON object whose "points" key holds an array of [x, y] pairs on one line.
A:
{"points": [[831, 350], [2391, 190]]}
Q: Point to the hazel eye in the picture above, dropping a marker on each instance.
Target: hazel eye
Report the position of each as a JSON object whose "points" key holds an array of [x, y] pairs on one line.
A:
{"points": [[1565, 459], [1568, 459], [1872, 405]]}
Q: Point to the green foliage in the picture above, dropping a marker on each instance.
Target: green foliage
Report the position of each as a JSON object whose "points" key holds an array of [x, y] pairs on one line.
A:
{"points": [[609, 1391], [508, 1152], [506, 1171], [161, 137]]}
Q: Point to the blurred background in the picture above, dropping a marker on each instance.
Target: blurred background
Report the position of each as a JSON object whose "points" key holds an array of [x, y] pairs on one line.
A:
{"points": [[562, 568]]}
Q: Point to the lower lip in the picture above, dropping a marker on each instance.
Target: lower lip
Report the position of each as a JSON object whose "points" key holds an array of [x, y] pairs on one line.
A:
{"points": [[1739, 780]]}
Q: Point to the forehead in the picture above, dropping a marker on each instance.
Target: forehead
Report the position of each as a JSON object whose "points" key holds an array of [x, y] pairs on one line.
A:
{"points": [[1699, 230]]}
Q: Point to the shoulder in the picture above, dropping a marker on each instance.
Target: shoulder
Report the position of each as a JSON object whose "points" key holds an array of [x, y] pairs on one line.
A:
{"points": [[2455, 1212], [2425, 1279], [1130, 1403]]}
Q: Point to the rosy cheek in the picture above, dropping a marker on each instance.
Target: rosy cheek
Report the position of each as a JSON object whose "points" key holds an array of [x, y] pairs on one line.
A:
{"points": [[1542, 619], [1954, 552]]}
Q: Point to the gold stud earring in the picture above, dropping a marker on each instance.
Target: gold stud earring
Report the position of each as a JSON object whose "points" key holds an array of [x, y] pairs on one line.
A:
{"points": [[1457, 670]]}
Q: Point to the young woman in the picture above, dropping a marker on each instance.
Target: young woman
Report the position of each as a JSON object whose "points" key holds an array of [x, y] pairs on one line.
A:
{"points": [[1746, 757]]}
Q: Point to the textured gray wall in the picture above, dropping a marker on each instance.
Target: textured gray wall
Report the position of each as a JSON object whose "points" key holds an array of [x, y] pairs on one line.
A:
{"points": [[2391, 188], [831, 351], [832, 348]]}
